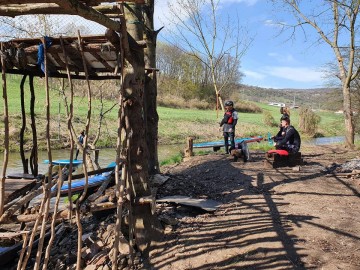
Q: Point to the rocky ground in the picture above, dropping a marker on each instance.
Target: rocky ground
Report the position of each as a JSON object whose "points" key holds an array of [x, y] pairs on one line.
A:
{"points": [[304, 217]]}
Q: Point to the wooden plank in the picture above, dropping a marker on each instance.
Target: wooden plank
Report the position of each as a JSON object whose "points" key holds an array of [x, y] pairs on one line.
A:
{"points": [[205, 204], [49, 8], [15, 188]]}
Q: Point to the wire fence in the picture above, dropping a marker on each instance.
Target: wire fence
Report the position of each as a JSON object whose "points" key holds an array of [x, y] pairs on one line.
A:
{"points": [[37, 26]]}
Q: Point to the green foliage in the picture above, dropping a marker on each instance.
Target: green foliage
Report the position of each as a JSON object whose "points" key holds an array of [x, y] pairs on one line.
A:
{"points": [[309, 121], [176, 159], [268, 119]]}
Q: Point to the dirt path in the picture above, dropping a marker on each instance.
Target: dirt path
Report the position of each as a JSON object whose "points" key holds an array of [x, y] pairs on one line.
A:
{"points": [[269, 218]]}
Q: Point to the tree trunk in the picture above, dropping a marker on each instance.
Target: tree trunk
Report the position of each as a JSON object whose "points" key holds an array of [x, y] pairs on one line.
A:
{"points": [[150, 95], [348, 115], [134, 79]]}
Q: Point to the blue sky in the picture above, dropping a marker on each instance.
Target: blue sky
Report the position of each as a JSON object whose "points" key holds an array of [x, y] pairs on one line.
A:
{"points": [[271, 61]]}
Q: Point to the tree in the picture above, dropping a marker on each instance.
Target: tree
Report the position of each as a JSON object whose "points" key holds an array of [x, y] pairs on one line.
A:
{"points": [[198, 30], [336, 24]]}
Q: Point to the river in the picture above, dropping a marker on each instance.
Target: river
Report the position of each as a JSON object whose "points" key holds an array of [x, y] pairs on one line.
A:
{"points": [[106, 156]]}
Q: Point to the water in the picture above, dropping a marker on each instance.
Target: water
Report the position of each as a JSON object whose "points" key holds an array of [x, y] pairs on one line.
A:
{"points": [[325, 140], [106, 156]]}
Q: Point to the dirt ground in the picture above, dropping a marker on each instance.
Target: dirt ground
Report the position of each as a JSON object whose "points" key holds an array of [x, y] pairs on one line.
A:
{"points": [[268, 218]]}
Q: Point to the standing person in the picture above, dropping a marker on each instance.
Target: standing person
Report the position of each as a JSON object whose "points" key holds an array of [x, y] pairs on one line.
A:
{"points": [[291, 140], [81, 141], [228, 123]]}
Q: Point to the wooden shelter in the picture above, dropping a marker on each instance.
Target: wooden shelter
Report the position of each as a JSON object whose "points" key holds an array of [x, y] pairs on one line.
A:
{"points": [[101, 52], [115, 55]]}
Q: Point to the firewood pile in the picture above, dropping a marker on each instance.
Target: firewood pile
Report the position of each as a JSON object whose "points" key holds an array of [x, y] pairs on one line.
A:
{"points": [[97, 233]]}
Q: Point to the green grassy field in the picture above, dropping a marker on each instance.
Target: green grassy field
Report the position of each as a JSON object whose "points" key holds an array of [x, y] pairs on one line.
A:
{"points": [[175, 125]]}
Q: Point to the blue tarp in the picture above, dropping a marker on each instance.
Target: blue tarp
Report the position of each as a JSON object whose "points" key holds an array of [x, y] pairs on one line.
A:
{"points": [[41, 57], [222, 143]]}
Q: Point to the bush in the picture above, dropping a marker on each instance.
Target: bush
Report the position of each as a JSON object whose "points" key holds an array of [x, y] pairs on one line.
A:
{"points": [[269, 120], [308, 121], [247, 107]]}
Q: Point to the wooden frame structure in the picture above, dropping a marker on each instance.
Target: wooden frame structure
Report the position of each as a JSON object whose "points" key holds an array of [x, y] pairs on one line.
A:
{"points": [[101, 52], [114, 55]]}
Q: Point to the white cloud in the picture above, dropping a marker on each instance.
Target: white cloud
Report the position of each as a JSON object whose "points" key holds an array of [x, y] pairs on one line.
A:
{"points": [[297, 74], [254, 75], [282, 57], [272, 23], [247, 2]]}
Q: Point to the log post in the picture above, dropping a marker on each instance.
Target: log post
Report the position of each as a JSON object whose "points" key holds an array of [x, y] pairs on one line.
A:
{"points": [[189, 147], [6, 131]]}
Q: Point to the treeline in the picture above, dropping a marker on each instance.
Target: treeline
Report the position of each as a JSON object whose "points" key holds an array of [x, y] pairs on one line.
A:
{"points": [[185, 78]]}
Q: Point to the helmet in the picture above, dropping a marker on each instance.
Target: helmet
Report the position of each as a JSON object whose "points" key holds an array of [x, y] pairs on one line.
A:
{"points": [[229, 103]]}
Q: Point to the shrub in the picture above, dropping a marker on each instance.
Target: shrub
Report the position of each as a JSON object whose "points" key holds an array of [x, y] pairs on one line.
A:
{"points": [[247, 107], [268, 119], [308, 121]]}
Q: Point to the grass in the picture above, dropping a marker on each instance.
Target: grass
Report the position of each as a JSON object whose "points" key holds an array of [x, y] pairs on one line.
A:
{"points": [[175, 125], [176, 159]]}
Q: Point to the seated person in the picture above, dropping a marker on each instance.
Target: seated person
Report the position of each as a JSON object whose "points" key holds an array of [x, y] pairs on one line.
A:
{"points": [[291, 140], [285, 112]]}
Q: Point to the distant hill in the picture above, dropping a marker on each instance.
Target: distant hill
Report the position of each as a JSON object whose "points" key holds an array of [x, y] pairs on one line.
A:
{"points": [[317, 98]]}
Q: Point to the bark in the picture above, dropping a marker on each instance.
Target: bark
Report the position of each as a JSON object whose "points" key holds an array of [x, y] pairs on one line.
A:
{"points": [[348, 117], [151, 115], [134, 79]]}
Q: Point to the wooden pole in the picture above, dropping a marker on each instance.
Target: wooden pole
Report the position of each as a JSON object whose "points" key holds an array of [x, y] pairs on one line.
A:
{"points": [[52, 230], [120, 183], [69, 125], [34, 151], [189, 147], [6, 131], [47, 186], [23, 126], [82, 197]]}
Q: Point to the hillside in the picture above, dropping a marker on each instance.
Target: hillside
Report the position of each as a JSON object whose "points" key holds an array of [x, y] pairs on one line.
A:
{"points": [[317, 98]]}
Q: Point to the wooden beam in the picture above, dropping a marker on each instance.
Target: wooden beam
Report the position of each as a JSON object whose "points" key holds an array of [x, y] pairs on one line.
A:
{"points": [[38, 73], [88, 13], [102, 61], [50, 8], [87, 2]]}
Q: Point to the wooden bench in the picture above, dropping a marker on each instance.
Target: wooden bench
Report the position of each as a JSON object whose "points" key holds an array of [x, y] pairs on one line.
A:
{"points": [[280, 159]]}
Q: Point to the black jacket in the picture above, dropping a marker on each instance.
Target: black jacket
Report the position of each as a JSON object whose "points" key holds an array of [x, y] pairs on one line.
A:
{"points": [[292, 137]]}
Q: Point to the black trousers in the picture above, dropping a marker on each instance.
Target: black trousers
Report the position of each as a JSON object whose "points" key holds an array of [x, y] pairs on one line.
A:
{"points": [[228, 135], [291, 148]]}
